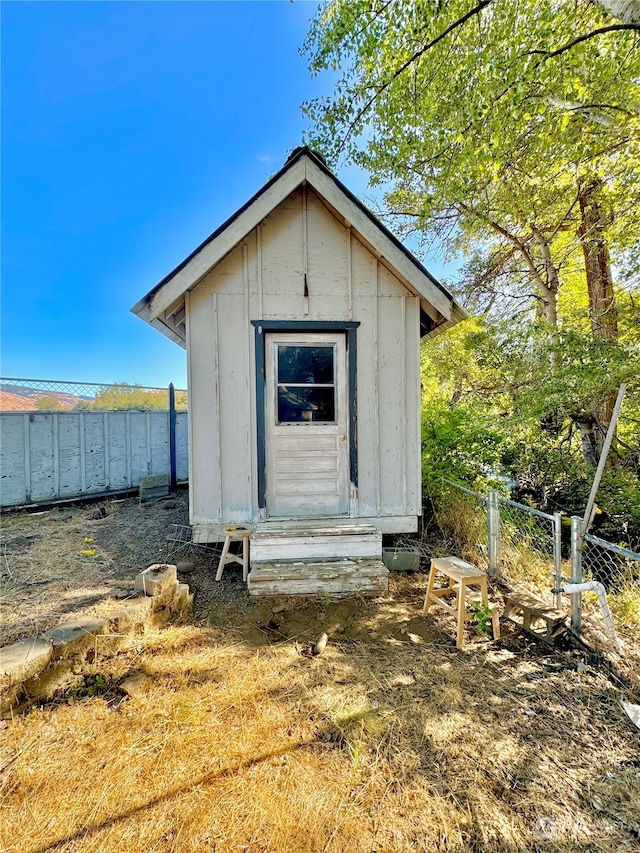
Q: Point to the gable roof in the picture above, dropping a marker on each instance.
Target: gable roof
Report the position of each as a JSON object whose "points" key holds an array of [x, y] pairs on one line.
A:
{"points": [[163, 305]]}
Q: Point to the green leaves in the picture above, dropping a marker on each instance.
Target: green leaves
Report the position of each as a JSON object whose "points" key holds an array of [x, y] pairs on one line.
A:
{"points": [[486, 120]]}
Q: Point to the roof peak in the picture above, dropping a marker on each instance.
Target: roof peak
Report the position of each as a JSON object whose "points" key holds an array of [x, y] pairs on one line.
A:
{"points": [[302, 150]]}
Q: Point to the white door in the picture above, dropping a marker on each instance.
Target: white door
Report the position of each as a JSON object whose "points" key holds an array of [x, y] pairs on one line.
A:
{"points": [[306, 422]]}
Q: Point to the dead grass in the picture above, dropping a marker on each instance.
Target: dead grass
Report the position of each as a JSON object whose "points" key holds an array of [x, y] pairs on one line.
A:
{"points": [[391, 740], [387, 745], [44, 574]]}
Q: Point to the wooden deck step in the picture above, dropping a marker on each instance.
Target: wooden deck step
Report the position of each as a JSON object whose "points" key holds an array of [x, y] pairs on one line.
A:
{"points": [[317, 541], [309, 577]]}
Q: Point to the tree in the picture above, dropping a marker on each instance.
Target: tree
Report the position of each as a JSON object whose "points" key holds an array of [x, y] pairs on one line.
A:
{"points": [[49, 404], [508, 131], [125, 396]]}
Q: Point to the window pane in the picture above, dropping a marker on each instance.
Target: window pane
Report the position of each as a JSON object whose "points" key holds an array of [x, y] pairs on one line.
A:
{"points": [[309, 365], [305, 404]]}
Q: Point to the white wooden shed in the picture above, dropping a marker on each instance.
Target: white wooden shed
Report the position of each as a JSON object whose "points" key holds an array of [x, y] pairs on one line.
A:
{"points": [[302, 317]]}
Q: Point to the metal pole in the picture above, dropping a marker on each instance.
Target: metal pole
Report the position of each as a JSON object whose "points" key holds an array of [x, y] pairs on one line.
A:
{"points": [[576, 572], [173, 475], [557, 558], [493, 516], [588, 515]]}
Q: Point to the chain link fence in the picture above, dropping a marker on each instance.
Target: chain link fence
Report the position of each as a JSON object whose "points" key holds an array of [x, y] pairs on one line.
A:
{"points": [[49, 395], [611, 565], [530, 543], [540, 549], [461, 520]]}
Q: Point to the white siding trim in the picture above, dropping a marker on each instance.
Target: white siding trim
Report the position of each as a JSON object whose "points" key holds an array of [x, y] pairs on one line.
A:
{"points": [[217, 379], [190, 386], [247, 373]]}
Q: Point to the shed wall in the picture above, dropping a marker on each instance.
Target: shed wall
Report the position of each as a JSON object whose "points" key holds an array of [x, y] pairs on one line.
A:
{"points": [[264, 279]]}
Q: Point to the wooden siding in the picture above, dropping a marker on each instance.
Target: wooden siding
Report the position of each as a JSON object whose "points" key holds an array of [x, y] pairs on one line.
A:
{"points": [[57, 455], [263, 278]]}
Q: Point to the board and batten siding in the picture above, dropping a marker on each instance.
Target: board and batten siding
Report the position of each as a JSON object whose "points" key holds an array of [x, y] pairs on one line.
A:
{"points": [[51, 456], [263, 278]]}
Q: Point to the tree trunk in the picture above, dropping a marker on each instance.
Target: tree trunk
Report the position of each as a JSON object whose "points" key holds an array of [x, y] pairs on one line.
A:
{"points": [[549, 286], [624, 10], [602, 300]]}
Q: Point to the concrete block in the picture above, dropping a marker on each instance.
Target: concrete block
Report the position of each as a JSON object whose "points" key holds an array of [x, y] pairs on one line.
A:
{"points": [[183, 601], [154, 486], [23, 660], [156, 579], [10, 698], [130, 615], [55, 677], [75, 638]]}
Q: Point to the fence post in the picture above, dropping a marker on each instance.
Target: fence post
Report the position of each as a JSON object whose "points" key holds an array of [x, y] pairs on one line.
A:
{"points": [[576, 572], [557, 558], [493, 516], [173, 474]]}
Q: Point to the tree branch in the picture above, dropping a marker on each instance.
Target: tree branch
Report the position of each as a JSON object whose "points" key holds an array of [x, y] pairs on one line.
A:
{"points": [[454, 26], [585, 37]]}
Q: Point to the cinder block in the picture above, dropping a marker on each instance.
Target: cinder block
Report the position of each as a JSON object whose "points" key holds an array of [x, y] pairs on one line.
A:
{"points": [[75, 638], [55, 677], [183, 601], [130, 615], [23, 660], [156, 579], [154, 486]]}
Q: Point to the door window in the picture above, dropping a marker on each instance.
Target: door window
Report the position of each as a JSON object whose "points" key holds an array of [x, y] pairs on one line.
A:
{"points": [[305, 383]]}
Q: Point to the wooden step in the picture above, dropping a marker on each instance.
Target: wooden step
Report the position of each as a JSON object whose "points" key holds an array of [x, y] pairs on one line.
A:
{"points": [[310, 577], [318, 541], [539, 618]]}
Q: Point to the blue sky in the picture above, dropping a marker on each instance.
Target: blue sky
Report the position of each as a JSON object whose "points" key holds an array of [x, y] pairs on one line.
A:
{"points": [[130, 131]]}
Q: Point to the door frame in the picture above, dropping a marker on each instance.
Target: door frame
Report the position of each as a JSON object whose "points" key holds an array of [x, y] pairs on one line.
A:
{"points": [[348, 328]]}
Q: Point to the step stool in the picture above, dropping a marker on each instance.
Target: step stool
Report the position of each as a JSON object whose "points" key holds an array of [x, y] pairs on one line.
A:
{"points": [[539, 618], [235, 534], [466, 584]]}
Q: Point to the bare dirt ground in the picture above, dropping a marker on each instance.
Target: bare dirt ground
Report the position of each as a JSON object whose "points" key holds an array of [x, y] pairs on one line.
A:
{"points": [[391, 740]]}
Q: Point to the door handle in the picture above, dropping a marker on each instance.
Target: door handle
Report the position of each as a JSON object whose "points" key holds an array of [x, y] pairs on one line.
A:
{"points": [[342, 437]]}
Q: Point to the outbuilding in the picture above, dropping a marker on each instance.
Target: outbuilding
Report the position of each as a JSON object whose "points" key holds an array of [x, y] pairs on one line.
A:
{"points": [[302, 317]]}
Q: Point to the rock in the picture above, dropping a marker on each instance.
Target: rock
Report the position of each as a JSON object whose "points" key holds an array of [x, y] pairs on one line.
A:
{"points": [[136, 685], [320, 644], [170, 504], [185, 567], [101, 512], [66, 517]]}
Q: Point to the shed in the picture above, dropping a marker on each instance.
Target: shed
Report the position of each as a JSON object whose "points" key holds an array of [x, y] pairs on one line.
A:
{"points": [[302, 317]]}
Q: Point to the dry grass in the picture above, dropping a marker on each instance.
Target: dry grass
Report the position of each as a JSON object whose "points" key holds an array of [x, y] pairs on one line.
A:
{"points": [[44, 574], [387, 745], [391, 740]]}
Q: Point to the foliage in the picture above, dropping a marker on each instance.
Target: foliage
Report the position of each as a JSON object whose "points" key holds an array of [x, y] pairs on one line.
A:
{"points": [[525, 160], [482, 615], [91, 685], [122, 396], [49, 404], [495, 412], [125, 396]]}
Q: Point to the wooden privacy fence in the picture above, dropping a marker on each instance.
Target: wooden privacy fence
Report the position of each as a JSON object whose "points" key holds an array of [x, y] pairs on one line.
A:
{"points": [[52, 456]]}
